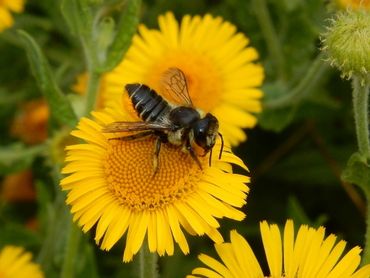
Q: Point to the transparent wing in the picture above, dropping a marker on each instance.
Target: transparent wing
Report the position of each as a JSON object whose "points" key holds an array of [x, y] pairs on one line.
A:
{"points": [[175, 85], [134, 126]]}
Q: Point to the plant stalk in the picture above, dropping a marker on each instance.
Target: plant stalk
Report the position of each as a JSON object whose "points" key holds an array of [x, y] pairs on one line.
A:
{"points": [[315, 73], [92, 91], [360, 108], [272, 41], [70, 256], [147, 263]]}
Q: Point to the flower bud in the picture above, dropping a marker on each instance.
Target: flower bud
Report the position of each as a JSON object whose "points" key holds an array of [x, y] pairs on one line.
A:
{"points": [[347, 43]]}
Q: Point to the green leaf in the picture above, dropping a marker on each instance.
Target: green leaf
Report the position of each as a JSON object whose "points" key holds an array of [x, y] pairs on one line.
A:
{"points": [[16, 234], [44, 203], [126, 28], [17, 157], [86, 265], [277, 119], [60, 108], [357, 171], [79, 18], [13, 98]]}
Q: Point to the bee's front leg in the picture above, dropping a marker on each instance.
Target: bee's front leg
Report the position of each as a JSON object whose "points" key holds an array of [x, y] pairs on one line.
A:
{"points": [[157, 149], [193, 154]]}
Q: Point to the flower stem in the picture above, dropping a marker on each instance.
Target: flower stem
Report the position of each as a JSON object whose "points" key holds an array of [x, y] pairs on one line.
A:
{"points": [[147, 263], [366, 254], [92, 91], [360, 106], [70, 255], [360, 96], [314, 74], [269, 32]]}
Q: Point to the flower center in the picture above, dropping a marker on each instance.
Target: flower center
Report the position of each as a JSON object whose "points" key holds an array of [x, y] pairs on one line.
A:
{"points": [[130, 174], [204, 81]]}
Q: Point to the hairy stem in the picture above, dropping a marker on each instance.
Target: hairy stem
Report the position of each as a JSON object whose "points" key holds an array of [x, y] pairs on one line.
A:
{"points": [[70, 256], [272, 41], [147, 263], [315, 73], [360, 108]]}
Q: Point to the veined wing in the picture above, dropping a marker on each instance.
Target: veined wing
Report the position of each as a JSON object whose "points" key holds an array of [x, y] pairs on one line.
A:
{"points": [[135, 126], [175, 85]]}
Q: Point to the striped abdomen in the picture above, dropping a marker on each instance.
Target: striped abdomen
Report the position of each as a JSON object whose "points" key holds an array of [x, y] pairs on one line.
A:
{"points": [[148, 104]]}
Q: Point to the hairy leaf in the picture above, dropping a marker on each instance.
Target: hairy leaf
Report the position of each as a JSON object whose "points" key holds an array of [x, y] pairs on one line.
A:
{"points": [[60, 107]]}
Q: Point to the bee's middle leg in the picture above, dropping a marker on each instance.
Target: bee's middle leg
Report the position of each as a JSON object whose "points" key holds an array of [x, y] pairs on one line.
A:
{"points": [[157, 149]]}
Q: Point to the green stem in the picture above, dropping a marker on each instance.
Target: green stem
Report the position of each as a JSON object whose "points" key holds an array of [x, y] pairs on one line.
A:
{"points": [[366, 254], [147, 263], [314, 74], [269, 32], [360, 106], [93, 77], [92, 91], [70, 255]]}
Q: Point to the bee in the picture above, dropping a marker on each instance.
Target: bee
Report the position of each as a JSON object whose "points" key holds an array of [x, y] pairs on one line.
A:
{"points": [[179, 124]]}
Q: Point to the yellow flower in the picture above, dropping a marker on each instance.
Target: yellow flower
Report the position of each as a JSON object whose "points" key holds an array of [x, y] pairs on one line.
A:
{"points": [[111, 185], [7, 6], [30, 125], [16, 263], [218, 64], [307, 255], [354, 4]]}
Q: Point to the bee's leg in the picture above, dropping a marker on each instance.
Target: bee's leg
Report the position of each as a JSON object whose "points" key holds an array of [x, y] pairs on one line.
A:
{"points": [[193, 154], [157, 149], [133, 136]]}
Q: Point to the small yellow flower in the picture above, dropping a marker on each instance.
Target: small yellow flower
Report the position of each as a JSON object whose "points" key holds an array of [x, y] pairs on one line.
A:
{"points": [[30, 125], [216, 60], [6, 7], [307, 255], [16, 263], [354, 4], [111, 185]]}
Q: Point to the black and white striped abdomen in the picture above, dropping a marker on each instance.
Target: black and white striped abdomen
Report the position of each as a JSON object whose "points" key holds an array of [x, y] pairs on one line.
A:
{"points": [[148, 104]]}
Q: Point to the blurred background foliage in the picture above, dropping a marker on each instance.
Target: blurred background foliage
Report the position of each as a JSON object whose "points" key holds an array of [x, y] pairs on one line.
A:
{"points": [[296, 154]]}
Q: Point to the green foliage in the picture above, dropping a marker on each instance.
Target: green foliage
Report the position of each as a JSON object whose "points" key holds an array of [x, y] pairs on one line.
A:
{"points": [[17, 157], [357, 172], [61, 109], [126, 28], [297, 154]]}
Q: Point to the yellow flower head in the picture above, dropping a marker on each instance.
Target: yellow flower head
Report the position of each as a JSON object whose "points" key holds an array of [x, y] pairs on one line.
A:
{"points": [[15, 262], [6, 7], [308, 254], [354, 4], [216, 60], [111, 185]]}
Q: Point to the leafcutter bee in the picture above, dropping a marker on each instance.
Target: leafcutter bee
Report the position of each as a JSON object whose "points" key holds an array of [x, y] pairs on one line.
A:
{"points": [[178, 124]]}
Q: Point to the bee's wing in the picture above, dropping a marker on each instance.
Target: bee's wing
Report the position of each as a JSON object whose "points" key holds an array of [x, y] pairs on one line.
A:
{"points": [[135, 126], [174, 83]]}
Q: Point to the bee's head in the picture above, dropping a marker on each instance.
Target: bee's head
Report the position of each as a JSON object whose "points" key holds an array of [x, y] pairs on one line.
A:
{"points": [[205, 132]]}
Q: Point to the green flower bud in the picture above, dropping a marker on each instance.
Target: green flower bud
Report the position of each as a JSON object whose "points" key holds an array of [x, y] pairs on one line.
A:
{"points": [[347, 43]]}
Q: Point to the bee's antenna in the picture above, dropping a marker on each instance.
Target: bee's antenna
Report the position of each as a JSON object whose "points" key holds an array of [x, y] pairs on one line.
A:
{"points": [[210, 158], [222, 145]]}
